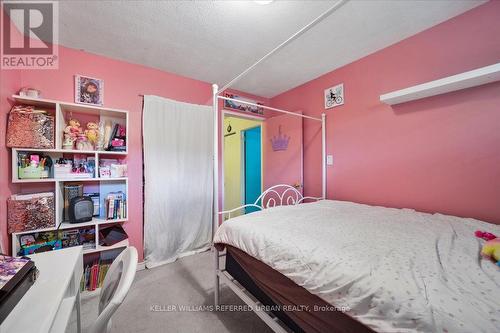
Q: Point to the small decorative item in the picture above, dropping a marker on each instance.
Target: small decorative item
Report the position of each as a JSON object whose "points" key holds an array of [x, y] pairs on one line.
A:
{"points": [[118, 170], [334, 96], [105, 172], [82, 142], [101, 137], [280, 142], [92, 133], [89, 90], [30, 92], [68, 142], [71, 133], [235, 105], [62, 170], [33, 165]]}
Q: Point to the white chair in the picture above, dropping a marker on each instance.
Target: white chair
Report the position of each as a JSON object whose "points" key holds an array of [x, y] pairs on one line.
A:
{"points": [[115, 287]]}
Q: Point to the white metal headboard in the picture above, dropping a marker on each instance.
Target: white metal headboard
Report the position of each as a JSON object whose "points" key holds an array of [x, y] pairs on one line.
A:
{"points": [[277, 195]]}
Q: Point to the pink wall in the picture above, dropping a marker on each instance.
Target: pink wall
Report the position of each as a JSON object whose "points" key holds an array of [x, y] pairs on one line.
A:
{"points": [[439, 154], [9, 81], [282, 166], [123, 84]]}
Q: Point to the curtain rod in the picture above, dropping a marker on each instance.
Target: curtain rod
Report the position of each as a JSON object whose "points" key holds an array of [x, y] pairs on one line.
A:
{"points": [[269, 108], [330, 10]]}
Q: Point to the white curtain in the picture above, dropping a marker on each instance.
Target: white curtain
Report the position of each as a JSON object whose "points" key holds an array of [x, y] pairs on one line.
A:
{"points": [[178, 152]]}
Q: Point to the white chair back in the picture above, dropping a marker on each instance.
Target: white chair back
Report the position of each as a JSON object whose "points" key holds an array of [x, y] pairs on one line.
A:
{"points": [[115, 287]]}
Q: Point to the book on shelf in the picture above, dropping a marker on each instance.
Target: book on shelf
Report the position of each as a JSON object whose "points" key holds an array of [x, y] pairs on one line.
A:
{"points": [[96, 201], [93, 276], [96, 269], [116, 206]]}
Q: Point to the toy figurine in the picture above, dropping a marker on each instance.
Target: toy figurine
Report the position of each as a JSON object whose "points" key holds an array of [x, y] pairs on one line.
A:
{"points": [[69, 141], [82, 143], [75, 126], [92, 133], [71, 132]]}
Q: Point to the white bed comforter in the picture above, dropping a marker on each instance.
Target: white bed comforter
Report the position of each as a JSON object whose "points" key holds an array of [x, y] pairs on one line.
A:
{"points": [[397, 270]]}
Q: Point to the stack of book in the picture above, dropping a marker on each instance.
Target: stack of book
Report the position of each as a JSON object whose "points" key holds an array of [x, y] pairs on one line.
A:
{"points": [[116, 206], [93, 276], [96, 267]]}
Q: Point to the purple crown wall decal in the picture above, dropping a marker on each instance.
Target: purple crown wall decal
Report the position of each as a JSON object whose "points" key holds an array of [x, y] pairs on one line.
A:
{"points": [[280, 142]]}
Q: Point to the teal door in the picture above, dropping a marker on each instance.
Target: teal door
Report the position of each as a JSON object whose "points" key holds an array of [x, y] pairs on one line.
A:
{"points": [[252, 163]]}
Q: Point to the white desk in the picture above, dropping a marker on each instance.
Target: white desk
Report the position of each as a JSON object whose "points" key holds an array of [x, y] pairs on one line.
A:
{"points": [[48, 304]]}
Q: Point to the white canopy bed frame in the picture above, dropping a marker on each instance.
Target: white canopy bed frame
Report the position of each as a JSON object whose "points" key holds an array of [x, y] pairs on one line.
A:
{"points": [[284, 194], [281, 194], [277, 195]]}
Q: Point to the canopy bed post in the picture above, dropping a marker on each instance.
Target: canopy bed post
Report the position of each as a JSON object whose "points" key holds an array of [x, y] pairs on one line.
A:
{"points": [[215, 88], [222, 274], [289, 195], [323, 155], [317, 20]]}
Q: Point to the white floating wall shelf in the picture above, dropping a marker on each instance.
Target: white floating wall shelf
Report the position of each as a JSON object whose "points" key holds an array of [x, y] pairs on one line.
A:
{"points": [[448, 84]]}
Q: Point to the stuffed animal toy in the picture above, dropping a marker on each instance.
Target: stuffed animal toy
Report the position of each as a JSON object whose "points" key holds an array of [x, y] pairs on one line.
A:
{"points": [[71, 132], [75, 127], [92, 133], [69, 139], [82, 142], [491, 250]]}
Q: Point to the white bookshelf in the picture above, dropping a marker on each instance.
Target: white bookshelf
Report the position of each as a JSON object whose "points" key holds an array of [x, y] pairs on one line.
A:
{"points": [[99, 248], [62, 112], [448, 84]]}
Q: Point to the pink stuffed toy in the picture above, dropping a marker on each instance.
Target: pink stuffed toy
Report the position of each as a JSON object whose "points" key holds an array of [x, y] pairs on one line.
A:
{"points": [[484, 235]]}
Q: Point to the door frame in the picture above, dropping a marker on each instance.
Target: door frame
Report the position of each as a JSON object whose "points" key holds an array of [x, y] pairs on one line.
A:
{"points": [[235, 114]]}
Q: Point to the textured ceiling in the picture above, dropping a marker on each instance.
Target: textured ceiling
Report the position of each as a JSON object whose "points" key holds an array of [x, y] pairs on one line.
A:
{"points": [[215, 41]]}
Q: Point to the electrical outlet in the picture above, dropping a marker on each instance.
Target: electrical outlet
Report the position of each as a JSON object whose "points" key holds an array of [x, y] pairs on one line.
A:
{"points": [[329, 159]]}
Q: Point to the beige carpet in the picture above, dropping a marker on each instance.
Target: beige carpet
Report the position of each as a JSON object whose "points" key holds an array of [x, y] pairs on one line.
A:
{"points": [[187, 282]]}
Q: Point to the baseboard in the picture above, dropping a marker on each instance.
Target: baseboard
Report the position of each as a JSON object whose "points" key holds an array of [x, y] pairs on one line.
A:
{"points": [[141, 266]]}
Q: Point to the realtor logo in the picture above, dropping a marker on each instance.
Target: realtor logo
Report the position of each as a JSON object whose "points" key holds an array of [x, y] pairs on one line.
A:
{"points": [[29, 35]]}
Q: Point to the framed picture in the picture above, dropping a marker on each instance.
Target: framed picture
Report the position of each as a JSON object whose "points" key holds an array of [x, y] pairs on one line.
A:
{"points": [[89, 90], [235, 105], [334, 96]]}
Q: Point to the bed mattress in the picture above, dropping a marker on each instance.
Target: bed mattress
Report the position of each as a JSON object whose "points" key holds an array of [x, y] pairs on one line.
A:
{"points": [[297, 308], [394, 270]]}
